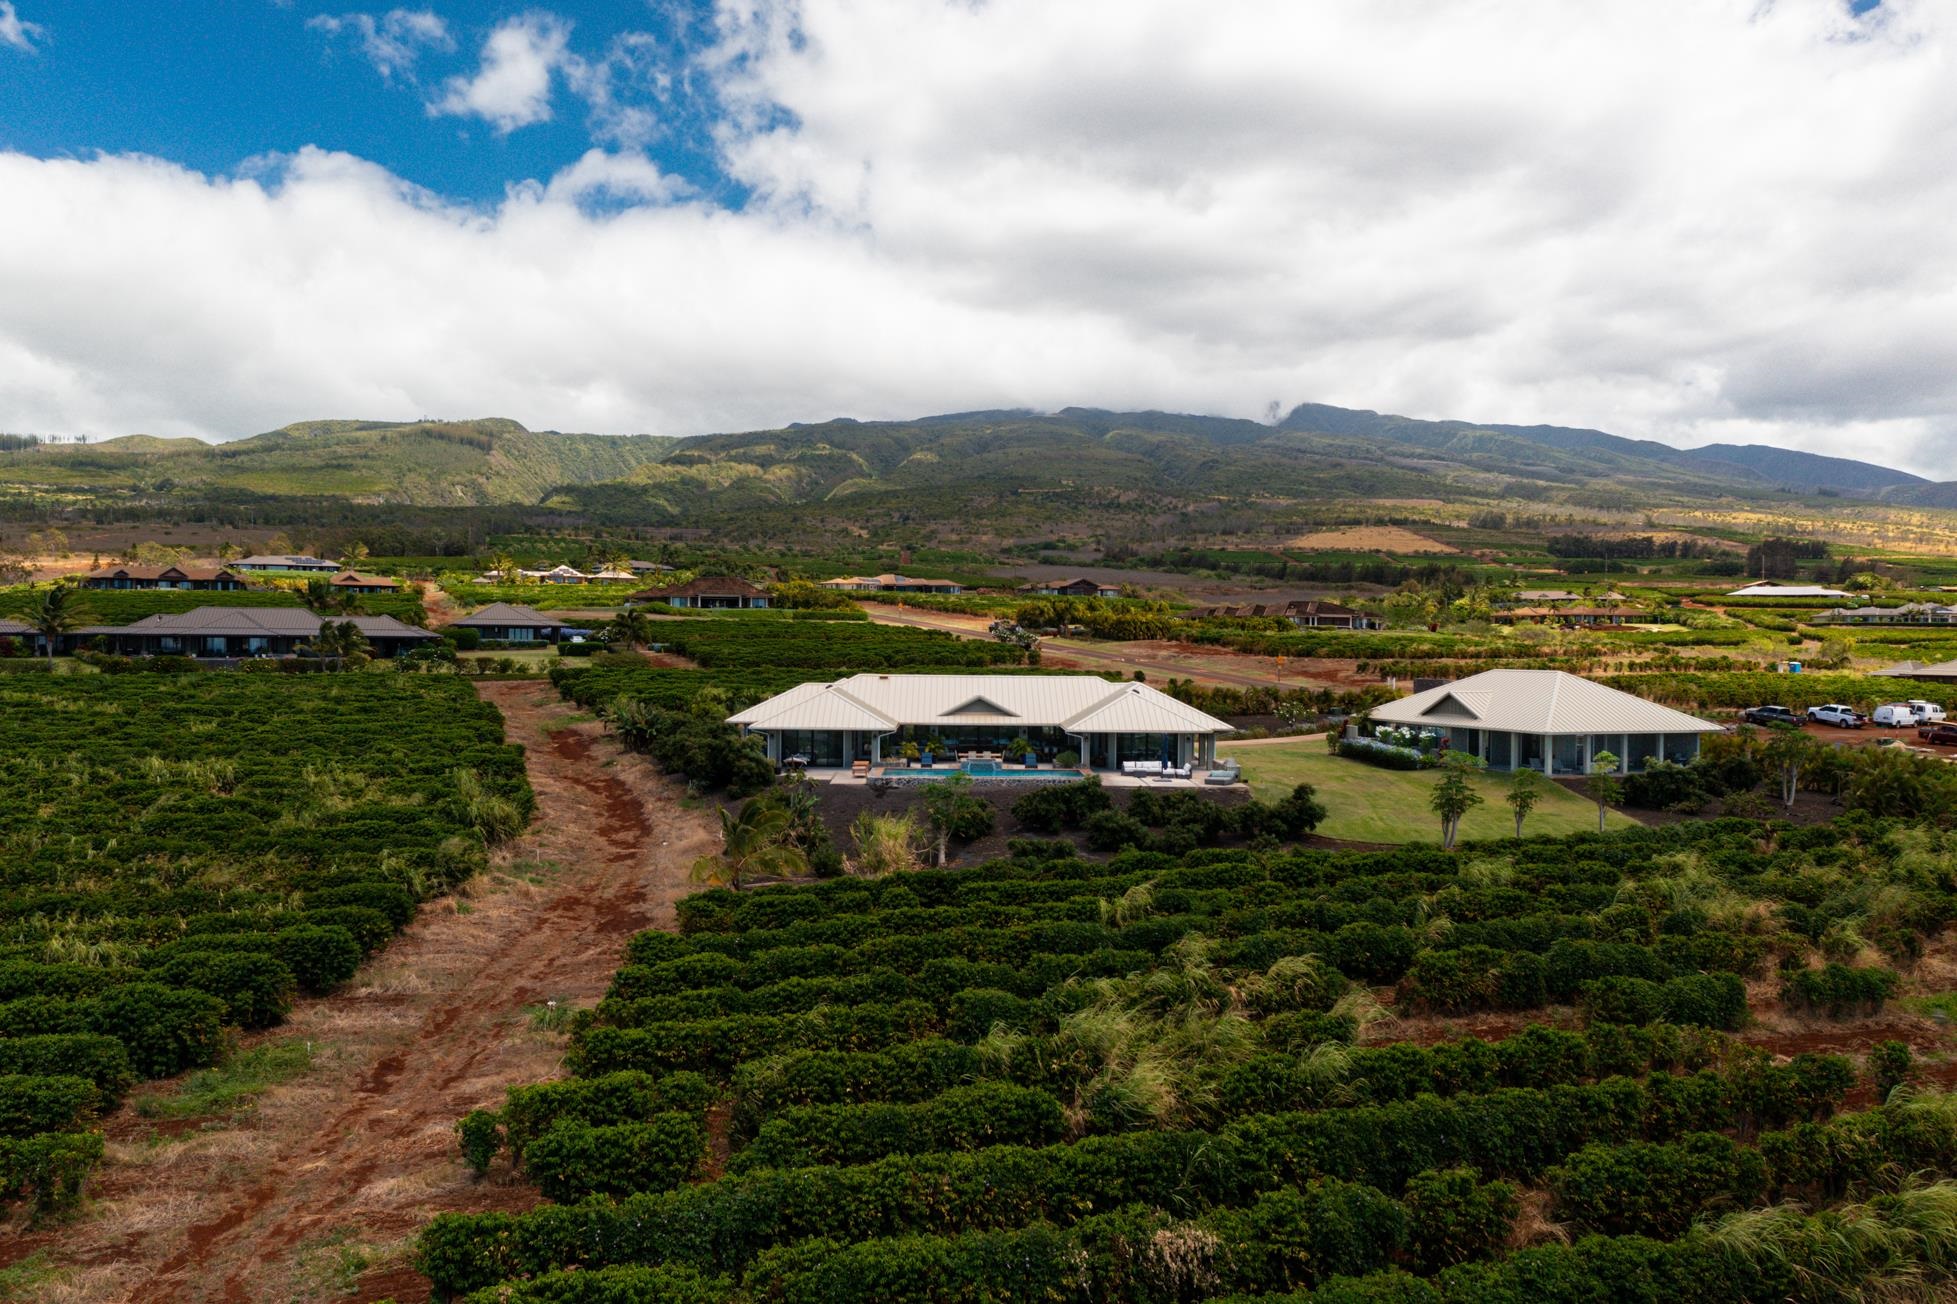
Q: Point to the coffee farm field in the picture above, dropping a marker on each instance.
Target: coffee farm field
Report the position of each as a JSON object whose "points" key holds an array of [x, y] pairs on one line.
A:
{"points": [[1228, 1076], [181, 856], [824, 640]]}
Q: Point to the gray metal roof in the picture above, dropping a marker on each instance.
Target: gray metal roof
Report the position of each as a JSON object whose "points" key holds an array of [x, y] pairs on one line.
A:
{"points": [[13, 628], [883, 702], [1538, 702], [508, 613], [1920, 670], [256, 622]]}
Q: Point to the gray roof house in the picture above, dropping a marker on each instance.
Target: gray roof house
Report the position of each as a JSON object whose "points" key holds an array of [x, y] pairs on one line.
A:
{"points": [[245, 632], [863, 718], [512, 622], [1548, 720], [284, 561]]}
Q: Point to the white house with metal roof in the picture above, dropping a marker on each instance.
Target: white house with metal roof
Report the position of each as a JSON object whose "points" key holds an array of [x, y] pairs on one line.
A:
{"points": [[1548, 720], [868, 717]]}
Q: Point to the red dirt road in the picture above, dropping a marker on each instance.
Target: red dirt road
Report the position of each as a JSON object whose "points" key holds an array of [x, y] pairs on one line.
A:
{"points": [[336, 1169]]}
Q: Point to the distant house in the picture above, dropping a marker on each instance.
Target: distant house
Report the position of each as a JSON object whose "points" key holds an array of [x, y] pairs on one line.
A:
{"points": [[709, 592], [1909, 613], [1787, 591], [1540, 596], [509, 622], [287, 563], [1315, 613], [611, 577], [245, 632], [202, 578], [1073, 588], [1320, 614], [556, 575], [19, 633], [1548, 720], [1572, 615], [647, 567], [355, 582], [891, 584]]}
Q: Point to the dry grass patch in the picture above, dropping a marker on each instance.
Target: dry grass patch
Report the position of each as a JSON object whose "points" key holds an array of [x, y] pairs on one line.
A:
{"points": [[1367, 538]]}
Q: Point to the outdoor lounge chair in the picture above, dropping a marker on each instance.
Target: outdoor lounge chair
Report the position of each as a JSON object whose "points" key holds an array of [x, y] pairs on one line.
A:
{"points": [[859, 769]]}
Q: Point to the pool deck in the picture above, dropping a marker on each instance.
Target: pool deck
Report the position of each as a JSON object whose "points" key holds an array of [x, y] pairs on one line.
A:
{"points": [[843, 778]]}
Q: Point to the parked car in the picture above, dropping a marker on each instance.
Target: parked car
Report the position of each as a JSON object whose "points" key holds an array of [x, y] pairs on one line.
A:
{"points": [[1834, 713], [1926, 712], [1943, 735], [1895, 715], [1769, 715]]}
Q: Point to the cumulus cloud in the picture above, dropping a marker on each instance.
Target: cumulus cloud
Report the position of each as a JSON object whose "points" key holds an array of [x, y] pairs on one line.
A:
{"points": [[1688, 220], [17, 31], [512, 87], [394, 41]]}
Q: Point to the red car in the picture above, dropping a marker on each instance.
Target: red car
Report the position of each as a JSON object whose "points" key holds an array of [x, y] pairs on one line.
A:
{"points": [[1943, 735]]}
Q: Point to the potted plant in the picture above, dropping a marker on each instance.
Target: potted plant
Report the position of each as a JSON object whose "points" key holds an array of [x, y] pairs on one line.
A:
{"points": [[932, 746], [909, 752], [1020, 747]]}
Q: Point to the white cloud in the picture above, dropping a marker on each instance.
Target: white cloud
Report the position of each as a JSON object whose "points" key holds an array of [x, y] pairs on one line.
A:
{"points": [[1679, 219], [621, 177], [17, 31], [512, 88], [394, 41]]}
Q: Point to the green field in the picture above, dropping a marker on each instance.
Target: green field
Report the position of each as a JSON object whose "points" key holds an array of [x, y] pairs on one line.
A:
{"points": [[1367, 804]]}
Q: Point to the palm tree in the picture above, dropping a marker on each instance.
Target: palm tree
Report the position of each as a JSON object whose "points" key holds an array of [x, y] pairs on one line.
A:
{"points": [[57, 613], [631, 627], [356, 552], [338, 642], [322, 597], [755, 842]]}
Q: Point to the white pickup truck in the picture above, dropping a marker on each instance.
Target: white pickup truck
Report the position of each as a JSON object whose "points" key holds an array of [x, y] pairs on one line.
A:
{"points": [[1834, 713]]}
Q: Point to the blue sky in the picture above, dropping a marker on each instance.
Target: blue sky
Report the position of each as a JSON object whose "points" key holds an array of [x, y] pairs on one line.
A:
{"points": [[258, 77], [1689, 220]]}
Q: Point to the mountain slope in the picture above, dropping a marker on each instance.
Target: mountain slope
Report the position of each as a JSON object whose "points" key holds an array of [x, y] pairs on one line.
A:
{"points": [[460, 463], [1598, 452]]}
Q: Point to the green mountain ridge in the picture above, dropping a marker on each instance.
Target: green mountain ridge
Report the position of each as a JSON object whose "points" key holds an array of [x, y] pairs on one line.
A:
{"points": [[1001, 462]]}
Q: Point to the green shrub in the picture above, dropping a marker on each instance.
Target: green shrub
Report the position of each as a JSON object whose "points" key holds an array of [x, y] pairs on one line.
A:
{"points": [[31, 1103], [480, 1134], [102, 1061], [1839, 991], [573, 1159], [1452, 1217]]}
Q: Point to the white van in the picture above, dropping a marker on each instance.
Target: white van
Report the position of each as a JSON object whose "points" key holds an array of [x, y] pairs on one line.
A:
{"points": [[1894, 715], [1926, 712]]}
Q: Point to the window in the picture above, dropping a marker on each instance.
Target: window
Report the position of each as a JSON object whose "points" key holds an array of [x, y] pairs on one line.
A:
{"points": [[1568, 754], [1643, 749], [1501, 752]]}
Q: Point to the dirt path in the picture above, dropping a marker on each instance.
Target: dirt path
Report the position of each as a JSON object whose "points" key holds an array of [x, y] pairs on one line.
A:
{"points": [[316, 1193]]}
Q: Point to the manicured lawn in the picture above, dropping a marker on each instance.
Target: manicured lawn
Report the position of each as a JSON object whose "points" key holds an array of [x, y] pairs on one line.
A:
{"points": [[1368, 804]]}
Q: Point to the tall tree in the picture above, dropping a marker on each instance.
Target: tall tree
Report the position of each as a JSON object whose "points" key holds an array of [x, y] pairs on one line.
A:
{"points": [[60, 611], [1453, 797], [1602, 785], [1527, 788], [1789, 751]]}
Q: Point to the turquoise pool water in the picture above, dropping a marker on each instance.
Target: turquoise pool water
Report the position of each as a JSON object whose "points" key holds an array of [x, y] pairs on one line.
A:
{"points": [[978, 770]]}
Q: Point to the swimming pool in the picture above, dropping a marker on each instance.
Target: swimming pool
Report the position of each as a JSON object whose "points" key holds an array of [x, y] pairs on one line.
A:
{"points": [[987, 770]]}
